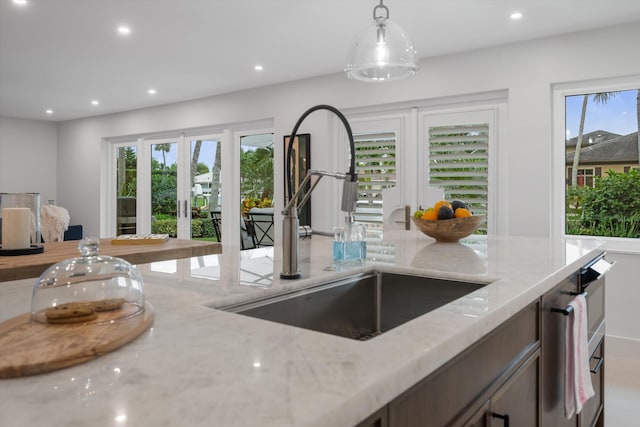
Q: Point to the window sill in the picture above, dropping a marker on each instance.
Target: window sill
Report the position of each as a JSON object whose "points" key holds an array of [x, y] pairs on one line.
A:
{"points": [[614, 244]]}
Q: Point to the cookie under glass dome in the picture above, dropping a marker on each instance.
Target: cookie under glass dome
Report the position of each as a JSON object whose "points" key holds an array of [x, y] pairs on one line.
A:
{"points": [[89, 289]]}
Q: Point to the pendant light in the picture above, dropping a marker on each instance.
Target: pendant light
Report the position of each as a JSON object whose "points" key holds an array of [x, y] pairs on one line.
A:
{"points": [[382, 51]]}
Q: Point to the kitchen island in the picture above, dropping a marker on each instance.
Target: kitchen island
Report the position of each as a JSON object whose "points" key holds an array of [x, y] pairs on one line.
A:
{"points": [[201, 366]]}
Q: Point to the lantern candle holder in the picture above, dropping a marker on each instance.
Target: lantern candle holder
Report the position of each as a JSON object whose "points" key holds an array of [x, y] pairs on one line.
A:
{"points": [[20, 224]]}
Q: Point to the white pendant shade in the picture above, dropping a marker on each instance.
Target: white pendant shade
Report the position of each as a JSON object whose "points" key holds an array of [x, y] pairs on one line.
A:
{"points": [[382, 51]]}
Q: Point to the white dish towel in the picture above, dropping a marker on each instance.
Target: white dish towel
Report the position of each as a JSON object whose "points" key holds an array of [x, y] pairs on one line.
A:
{"points": [[577, 380]]}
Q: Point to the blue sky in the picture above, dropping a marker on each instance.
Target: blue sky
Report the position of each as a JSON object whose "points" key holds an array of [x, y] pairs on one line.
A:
{"points": [[618, 115]]}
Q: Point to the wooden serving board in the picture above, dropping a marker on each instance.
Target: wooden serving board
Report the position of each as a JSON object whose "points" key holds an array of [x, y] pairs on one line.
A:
{"points": [[140, 239], [28, 347]]}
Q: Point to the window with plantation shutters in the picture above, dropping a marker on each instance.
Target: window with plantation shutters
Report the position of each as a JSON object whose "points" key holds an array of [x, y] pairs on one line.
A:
{"points": [[459, 164], [376, 168]]}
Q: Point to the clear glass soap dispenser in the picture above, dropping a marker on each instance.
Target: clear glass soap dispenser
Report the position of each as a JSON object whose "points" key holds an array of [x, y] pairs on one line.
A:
{"points": [[349, 243]]}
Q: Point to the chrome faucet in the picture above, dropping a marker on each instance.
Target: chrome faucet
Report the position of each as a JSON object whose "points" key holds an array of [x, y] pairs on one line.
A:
{"points": [[290, 212]]}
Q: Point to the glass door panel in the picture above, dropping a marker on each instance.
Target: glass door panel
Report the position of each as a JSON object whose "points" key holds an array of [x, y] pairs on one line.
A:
{"points": [[206, 194], [256, 190], [126, 189], [165, 210]]}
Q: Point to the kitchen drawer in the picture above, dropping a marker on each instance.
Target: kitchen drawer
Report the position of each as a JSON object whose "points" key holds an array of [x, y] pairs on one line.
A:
{"points": [[593, 407]]}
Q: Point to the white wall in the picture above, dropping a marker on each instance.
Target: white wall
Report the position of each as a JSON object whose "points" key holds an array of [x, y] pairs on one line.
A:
{"points": [[526, 70], [28, 151]]}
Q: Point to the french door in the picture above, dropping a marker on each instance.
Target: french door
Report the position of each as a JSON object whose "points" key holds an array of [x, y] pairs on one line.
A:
{"points": [[167, 185], [382, 164]]}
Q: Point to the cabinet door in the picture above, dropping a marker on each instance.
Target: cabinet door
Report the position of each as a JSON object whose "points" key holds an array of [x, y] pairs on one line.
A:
{"points": [[516, 403]]}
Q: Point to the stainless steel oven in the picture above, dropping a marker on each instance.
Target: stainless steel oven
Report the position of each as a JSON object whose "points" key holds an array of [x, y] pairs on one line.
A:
{"points": [[590, 281]]}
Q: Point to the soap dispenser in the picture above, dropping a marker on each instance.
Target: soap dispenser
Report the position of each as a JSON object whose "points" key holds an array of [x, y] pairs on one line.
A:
{"points": [[349, 243]]}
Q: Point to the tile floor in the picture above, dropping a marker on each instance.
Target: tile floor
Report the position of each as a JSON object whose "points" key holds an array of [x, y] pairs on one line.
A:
{"points": [[622, 392]]}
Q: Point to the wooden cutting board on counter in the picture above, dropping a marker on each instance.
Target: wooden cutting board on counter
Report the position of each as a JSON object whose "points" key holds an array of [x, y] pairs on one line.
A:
{"points": [[28, 347]]}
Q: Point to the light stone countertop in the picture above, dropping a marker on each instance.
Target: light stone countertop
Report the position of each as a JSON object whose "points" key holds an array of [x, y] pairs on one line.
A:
{"points": [[199, 366]]}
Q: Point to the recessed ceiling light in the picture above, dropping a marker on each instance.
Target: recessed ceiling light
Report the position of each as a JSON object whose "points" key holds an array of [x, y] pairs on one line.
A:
{"points": [[49, 111], [124, 30], [258, 68], [151, 91], [516, 15], [95, 102], [20, 2]]}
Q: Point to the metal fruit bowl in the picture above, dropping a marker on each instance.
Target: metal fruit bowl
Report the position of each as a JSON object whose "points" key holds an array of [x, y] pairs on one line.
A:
{"points": [[449, 230]]}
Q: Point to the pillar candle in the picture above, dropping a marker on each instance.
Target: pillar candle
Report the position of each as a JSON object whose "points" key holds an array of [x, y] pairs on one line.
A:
{"points": [[16, 228]]}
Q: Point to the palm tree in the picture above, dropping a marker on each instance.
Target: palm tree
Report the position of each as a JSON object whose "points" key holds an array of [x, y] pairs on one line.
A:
{"points": [[194, 160], [215, 178], [121, 171], [164, 148], [598, 98]]}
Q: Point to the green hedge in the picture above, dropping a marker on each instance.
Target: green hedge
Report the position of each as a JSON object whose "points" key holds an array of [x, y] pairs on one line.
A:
{"points": [[610, 209], [199, 227]]}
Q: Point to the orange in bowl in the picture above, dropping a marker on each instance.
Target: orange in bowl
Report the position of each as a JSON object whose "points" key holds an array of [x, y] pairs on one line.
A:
{"points": [[430, 215]]}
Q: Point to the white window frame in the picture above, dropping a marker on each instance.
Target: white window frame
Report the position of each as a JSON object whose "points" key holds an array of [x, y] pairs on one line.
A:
{"points": [[558, 176]]}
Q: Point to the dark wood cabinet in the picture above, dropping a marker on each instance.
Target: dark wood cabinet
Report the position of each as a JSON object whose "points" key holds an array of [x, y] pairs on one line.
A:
{"points": [[463, 384], [514, 376]]}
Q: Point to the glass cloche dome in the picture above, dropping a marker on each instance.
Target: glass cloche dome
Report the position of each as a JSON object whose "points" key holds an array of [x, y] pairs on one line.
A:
{"points": [[90, 289]]}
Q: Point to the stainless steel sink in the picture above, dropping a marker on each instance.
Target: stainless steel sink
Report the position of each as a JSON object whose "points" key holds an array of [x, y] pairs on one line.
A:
{"points": [[360, 307]]}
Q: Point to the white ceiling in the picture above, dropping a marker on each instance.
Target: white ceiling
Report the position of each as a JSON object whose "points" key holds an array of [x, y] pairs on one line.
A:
{"points": [[61, 54]]}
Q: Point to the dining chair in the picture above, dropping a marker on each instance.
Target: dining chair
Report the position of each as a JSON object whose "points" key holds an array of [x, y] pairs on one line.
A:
{"points": [[262, 223], [247, 235]]}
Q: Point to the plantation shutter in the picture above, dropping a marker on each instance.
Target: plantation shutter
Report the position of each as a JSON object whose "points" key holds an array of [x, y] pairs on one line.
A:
{"points": [[459, 164], [376, 168]]}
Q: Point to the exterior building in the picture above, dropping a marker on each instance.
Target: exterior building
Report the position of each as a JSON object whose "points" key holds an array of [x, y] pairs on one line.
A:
{"points": [[610, 152]]}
